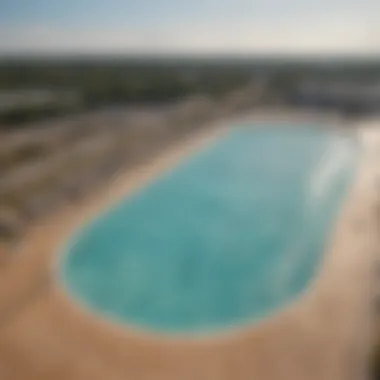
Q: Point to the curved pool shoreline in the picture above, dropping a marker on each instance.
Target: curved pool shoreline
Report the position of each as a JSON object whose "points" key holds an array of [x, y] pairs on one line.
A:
{"points": [[238, 325]]}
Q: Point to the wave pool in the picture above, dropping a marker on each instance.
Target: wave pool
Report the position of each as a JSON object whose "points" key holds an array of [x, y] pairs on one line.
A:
{"points": [[226, 238]]}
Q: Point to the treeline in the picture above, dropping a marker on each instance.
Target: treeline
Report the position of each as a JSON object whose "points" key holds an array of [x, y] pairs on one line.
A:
{"points": [[102, 83]]}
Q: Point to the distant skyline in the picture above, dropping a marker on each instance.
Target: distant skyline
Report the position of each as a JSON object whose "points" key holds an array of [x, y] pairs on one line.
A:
{"points": [[201, 27]]}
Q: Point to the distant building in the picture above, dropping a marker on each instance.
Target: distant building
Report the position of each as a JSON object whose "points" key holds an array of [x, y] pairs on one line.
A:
{"points": [[13, 99], [346, 97]]}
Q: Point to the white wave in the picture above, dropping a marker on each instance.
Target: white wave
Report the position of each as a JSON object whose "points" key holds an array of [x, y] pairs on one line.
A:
{"points": [[336, 157]]}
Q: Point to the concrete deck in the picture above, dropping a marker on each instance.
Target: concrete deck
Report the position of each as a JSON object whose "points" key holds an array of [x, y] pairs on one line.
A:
{"points": [[323, 335]]}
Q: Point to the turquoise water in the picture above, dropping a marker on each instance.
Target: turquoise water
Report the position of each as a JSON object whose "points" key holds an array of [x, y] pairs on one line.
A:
{"points": [[226, 238]]}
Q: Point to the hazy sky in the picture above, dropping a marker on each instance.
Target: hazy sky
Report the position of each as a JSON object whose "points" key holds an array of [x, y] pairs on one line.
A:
{"points": [[190, 26]]}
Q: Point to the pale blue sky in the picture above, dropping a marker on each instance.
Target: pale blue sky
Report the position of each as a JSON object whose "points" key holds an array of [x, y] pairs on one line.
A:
{"points": [[190, 26]]}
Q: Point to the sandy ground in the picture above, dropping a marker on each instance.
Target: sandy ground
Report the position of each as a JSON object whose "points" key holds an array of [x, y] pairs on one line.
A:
{"points": [[325, 334]]}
